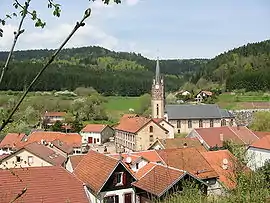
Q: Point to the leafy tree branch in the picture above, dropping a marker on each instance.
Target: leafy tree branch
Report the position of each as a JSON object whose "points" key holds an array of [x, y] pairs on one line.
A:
{"points": [[52, 58]]}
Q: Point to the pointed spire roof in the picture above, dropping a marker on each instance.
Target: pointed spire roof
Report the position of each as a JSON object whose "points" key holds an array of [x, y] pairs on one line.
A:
{"points": [[157, 71]]}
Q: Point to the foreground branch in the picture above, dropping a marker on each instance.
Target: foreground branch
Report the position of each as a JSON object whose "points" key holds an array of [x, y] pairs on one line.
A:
{"points": [[16, 36], [76, 27]]}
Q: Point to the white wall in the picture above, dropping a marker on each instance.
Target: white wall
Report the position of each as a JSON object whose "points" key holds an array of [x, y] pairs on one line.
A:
{"points": [[69, 166], [120, 193], [168, 127], [141, 163], [257, 157], [94, 135], [9, 162]]}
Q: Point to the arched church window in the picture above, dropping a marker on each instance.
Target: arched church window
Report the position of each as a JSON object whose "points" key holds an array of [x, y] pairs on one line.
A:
{"points": [[157, 110]]}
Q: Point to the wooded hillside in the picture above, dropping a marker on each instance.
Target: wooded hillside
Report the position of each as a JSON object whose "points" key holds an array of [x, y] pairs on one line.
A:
{"points": [[109, 72]]}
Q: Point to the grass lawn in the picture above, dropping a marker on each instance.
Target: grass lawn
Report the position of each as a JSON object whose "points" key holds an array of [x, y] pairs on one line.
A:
{"points": [[116, 106], [238, 101]]}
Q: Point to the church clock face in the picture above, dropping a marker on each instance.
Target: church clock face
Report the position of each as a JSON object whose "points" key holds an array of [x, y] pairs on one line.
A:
{"points": [[156, 86]]}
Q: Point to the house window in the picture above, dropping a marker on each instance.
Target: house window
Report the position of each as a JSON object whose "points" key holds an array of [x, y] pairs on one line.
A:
{"points": [[189, 123], [137, 166], [18, 159], [157, 110], [111, 199], [97, 139], [178, 131], [30, 159], [211, 123], [178, 124], [151, 129], [151, 138], [223, 122], [200, 123], [119, 178]]}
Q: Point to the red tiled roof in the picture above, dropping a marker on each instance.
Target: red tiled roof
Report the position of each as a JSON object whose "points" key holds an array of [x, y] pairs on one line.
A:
{"points": [[263, 143], [64, 147], [260, 134], [44, 184], [207, 92], [145, 169], [12, 140], [132, 124], [94, 169], [158, 180], [215, 159], [72, 139], [75, 160], [246, 135], [179, 142], [150, 155], [238, 135], [55, 114], [188, 159], [97, 128]]}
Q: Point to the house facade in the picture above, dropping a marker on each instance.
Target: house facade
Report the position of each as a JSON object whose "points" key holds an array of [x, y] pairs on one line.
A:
{"points": [[258, 153], [137, 133], [33, 155], [203, 95], [49, 118], [111, 184], [96, 134]]}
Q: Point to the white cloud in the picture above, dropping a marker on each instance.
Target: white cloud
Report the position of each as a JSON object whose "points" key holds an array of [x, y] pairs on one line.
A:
{"points": [[132, 2], [54, 36], [6, 40]]}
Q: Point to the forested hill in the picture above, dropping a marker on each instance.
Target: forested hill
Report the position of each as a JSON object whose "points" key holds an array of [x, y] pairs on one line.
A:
{"points": [[109, 72], [246, 67]]}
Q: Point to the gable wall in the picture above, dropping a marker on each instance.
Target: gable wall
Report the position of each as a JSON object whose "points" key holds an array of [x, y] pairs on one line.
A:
{"points": [[10, 161], [143, 137]]}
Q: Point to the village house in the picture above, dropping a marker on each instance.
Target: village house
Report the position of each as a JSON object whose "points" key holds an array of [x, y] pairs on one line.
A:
{"points": [[106, 179], [68, 143], [96, 134], [215, 137], [258, 153], [49, 118], [33, 155], [41, 184], [137, 133], [202, 95], [225, 164], [180, 142]]}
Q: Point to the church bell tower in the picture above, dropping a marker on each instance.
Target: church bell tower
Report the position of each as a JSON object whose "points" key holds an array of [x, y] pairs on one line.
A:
{"points": [[158, 96]]}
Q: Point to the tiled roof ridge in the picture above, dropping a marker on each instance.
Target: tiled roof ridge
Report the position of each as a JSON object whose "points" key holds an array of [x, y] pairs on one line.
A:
{"points": [[160, 157], [252, 133], [154, 165], [236, 134]]}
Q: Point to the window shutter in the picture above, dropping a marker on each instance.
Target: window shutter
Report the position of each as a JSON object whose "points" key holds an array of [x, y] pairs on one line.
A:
{"points": [[114, 179], [124, 178]]}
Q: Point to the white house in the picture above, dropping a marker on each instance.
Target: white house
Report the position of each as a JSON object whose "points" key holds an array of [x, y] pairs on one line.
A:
{"points": [[96, 134], [202, 95], [259, 152]]}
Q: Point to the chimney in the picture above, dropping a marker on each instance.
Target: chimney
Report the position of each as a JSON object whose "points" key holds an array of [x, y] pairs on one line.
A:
{"points": [[185, 145], [221, 137]]}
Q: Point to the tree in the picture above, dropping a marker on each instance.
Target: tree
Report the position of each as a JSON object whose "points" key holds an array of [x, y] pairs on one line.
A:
{"points": [[261, 121], [76, 125], [23, 10], [144, 104], [57, 126]]}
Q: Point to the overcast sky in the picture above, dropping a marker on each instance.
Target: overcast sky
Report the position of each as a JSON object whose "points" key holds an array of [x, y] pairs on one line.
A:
{"points": [[177, 28]]}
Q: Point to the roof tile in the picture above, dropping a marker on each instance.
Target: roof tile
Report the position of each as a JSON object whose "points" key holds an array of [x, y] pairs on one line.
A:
{"points": [[97, 128], [44, 184]]}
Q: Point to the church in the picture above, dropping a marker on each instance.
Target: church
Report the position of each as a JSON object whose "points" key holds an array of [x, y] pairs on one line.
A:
{"points": [[136, 133], [185, 117]]}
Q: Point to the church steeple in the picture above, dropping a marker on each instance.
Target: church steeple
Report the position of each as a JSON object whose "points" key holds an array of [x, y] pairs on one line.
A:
{"points": [[157, 72], [158, 102]]}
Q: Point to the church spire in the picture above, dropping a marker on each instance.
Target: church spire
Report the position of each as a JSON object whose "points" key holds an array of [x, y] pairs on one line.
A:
{"points": [[157, 72]]}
